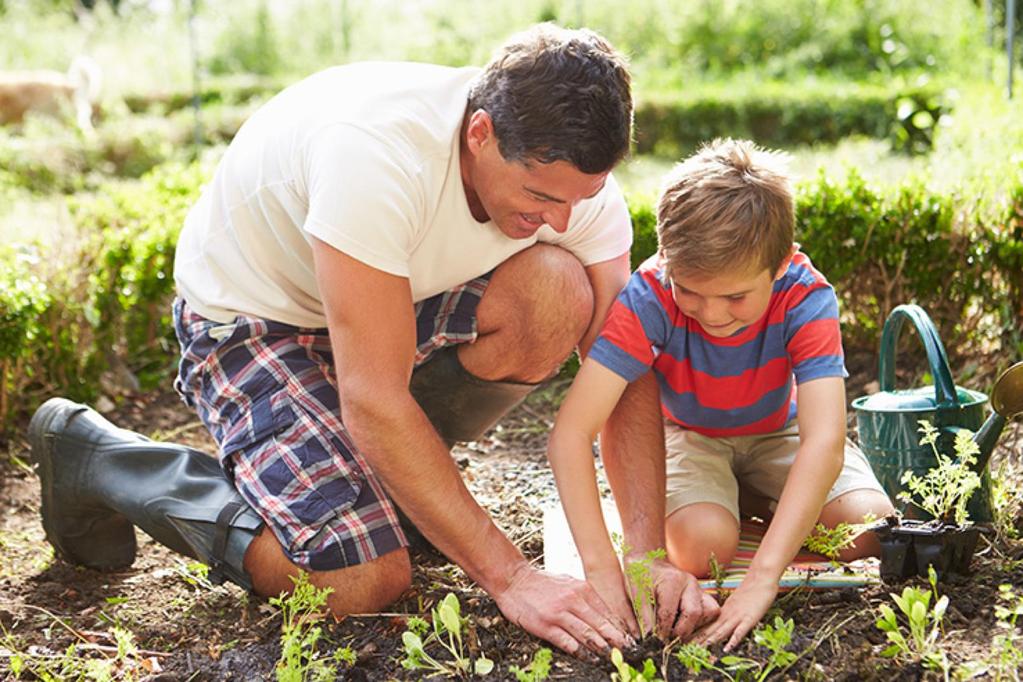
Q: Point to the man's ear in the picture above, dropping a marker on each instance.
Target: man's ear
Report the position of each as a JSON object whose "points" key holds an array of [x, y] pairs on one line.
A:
{"points": [[785, 263], [479, 130]]}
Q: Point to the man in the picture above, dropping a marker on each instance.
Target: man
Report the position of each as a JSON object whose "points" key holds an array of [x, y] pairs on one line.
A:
{"points": [[389, 257]]}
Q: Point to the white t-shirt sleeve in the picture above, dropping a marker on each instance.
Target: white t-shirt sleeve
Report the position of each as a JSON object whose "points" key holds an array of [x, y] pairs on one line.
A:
{"points": [[600, 228], [363, 197]]}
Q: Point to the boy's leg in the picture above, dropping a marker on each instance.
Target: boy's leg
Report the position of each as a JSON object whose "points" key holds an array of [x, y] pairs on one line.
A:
{"points": [[855, 495], [702, 501]]}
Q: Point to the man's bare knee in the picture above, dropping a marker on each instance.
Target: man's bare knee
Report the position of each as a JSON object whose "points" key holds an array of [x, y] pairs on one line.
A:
{"points": [[535, 310], [369, 587], [362, 588]]}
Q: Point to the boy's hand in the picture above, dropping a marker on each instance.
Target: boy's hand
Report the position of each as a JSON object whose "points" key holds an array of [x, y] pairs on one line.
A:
{"points": [[741, 612], [682, 606], [611, 586]]}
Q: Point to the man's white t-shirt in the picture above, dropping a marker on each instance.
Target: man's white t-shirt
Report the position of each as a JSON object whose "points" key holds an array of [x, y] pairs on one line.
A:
{"points": [[365, 158]]}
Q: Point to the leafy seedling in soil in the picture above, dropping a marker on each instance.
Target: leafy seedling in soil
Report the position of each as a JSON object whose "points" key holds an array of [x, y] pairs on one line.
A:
{"points": [[830, 542], [448, 625], [624, 672], [126, 662], [1008, 657], [642, 583], [775, 637], [718, 574], [301, 613], [920, 643], [537, 670], [945, 489]]}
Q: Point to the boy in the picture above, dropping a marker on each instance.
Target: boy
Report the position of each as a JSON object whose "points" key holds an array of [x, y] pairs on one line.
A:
{"points": [[732, 318]]}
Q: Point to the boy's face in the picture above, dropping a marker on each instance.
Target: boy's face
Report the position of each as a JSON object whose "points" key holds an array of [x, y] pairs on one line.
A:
{"points": [[723, 304]]}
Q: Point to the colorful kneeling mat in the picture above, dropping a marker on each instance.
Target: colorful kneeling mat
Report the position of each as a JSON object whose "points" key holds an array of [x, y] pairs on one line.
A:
{"points": [[807, 570]]}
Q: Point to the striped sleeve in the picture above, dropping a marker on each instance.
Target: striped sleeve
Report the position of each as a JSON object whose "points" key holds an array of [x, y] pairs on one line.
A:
{"points": [[636, 328], [814, 339]]}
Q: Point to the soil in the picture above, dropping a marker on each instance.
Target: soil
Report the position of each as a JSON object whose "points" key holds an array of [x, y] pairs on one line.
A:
{"points": [[188, 630]]}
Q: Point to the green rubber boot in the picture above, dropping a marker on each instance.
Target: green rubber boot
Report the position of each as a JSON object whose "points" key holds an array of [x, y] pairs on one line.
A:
{"points": [[99, 481], [462, 407]]}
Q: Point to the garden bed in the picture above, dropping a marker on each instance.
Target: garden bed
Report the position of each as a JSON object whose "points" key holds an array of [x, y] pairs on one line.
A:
{"points": [[189, 631]]}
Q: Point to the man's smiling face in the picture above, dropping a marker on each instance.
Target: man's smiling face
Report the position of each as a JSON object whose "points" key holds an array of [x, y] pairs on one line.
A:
{"points": [[519, 196]]}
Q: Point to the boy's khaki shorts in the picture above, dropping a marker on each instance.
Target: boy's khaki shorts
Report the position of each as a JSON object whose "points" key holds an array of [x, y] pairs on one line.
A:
{"points": [[702, 469]]}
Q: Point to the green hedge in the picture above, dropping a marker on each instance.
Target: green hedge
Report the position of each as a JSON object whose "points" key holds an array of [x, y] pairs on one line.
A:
{"points": [[74, 325], [908, 244], [99, 313], [787, 114]]}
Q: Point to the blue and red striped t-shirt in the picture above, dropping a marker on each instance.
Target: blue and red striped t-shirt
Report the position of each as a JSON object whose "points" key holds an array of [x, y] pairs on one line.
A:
{"points": [[733, 386]]}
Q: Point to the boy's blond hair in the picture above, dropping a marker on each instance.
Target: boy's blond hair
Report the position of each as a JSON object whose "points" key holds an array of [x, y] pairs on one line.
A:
{"points": [[729, 207]]}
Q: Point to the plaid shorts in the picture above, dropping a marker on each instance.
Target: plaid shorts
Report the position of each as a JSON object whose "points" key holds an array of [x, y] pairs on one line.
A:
{"points": [[268, 394]]}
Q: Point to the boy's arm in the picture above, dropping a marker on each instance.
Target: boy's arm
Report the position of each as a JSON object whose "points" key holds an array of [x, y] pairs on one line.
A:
{"points": [[819, 460], [590, 400]]}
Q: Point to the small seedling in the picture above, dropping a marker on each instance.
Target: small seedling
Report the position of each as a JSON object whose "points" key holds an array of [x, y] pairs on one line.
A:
{"points": [[775, 638], [126, 663], [301, 611], [537, 670], [718, 574], [945, 489], [830, 542], [626, 673], [921, 642], [1008, 654], [448, 624], [642, 583]]}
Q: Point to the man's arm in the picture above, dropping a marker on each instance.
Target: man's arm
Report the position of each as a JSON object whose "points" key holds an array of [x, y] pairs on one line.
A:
{"points": [[632, 449], [372, 329], [819, 461]]}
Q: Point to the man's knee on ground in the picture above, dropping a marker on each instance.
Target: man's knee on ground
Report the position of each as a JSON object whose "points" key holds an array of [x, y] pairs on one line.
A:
{"points": [[362, 588], [697, 532]]}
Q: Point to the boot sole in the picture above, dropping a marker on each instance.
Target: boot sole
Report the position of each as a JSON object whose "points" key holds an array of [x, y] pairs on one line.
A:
{"points": [[110, 530]]}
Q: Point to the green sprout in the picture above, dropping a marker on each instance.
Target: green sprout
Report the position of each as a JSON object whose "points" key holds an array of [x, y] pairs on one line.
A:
{"points": [[775, 637], [945, 489], [301, 611], [626, 673], [638, 573], [448, 625], [537, 670], [920, 643]]}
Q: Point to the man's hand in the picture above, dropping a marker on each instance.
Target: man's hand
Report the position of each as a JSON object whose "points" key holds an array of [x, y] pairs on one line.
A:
{"points": [[742, 611], [682, 606], [566, 612]]}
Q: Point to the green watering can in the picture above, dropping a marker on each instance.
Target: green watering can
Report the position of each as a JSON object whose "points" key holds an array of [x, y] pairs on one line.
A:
{"points": [[887, 421]]}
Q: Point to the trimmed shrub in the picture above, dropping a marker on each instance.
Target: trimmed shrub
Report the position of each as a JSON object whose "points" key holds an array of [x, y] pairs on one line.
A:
{"points": [[80, 326], [907, 244], [786, 114], [102, 311]]}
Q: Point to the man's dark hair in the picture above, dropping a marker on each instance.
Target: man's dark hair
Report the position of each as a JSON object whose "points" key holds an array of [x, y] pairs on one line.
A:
{"points": [[556, 94]]}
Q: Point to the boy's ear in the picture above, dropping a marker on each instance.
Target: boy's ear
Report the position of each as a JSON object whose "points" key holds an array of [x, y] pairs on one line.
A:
{"points": [[783, 268]]}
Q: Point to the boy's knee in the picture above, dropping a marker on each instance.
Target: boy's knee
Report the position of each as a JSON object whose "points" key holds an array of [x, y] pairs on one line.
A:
{"points": [[699, 532], [853, 507]]}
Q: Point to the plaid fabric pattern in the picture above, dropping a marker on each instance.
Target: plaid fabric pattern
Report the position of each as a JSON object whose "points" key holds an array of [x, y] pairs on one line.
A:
{"points": [[267, 392]]}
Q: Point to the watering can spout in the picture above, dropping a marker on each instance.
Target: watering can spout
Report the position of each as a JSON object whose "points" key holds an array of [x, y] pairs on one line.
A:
{"points": [[1007, 402]]}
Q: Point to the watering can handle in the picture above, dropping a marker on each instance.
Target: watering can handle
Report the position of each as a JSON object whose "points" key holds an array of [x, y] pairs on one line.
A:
{"points": [[944, 386]]}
